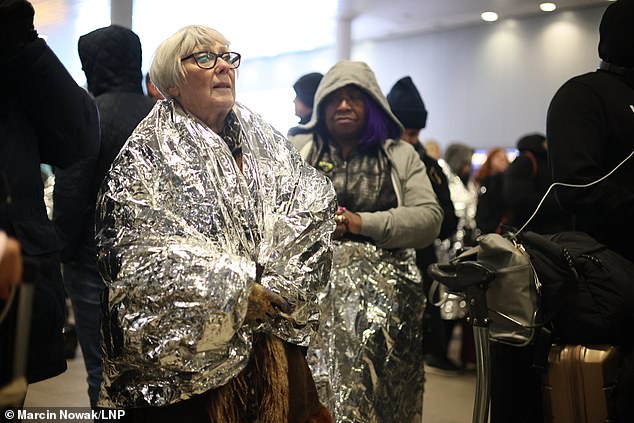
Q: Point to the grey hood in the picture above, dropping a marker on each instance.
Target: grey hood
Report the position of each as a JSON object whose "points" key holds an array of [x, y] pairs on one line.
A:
{"points": [[344, 73]]}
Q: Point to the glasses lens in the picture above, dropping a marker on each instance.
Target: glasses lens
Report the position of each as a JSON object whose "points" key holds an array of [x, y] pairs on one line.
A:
{"points": [[232, 58], [206, 60]]}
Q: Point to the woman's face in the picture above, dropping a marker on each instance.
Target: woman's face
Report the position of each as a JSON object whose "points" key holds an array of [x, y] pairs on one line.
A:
{"points": [[208, 94], [499, 162], [344, 112]]}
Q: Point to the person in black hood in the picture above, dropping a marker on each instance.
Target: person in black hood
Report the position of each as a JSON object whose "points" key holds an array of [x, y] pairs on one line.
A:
{"points": [[525, 182], [111, 60], [590, 127], [45, 117]]}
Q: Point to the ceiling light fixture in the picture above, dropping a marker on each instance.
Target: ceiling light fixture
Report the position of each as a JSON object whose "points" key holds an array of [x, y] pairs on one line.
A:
{"points": [[547, 7], [489, 16]]}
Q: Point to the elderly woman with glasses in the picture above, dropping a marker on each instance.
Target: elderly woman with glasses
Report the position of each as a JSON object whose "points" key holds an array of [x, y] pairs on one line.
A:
{"points": [[368, 357], [213, 240]]}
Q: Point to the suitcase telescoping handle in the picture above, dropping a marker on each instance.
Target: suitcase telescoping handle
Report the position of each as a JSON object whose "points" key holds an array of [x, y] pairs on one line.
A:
{"points": [[469, 277], [473, 279], [459, 276]]}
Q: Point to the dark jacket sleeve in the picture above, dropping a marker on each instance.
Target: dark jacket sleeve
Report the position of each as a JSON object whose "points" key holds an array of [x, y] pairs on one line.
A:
{"points": [[64, 116], [50, 119], [440, 185]]}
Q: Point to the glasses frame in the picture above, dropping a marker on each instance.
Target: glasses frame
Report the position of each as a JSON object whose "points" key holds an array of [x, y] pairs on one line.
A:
{"points": [[216, 56]]}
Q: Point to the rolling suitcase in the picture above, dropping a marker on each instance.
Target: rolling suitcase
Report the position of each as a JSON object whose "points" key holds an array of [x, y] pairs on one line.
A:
{"points": [[579, 381]]}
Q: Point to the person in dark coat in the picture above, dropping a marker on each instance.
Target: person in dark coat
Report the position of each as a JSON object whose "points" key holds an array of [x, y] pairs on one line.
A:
{"points": [[525, 182], [111, 60], [590, 127], [305, 88], [408, 106], [490, 181], [45, 117], [515, 386]]}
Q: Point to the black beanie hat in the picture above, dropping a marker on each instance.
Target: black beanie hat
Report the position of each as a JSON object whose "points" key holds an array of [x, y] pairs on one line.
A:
{"points": [[306, 86], [532, 142], [616, 34], [407, 104]]}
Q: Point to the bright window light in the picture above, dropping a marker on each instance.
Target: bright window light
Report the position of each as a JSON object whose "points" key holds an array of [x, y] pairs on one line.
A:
{"points": [[489, 16], [547, 7]]}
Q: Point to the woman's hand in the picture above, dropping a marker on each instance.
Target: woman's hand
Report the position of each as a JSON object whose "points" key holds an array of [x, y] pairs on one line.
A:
{"points": [[347, 221], [10, 267], [264, 305]]}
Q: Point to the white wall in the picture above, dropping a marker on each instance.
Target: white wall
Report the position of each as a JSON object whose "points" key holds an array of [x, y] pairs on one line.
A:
{"points": [[484, 85]]}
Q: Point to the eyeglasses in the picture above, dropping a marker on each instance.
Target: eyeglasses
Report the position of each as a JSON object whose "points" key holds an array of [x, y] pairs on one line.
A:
{"points": [[208, 59]]}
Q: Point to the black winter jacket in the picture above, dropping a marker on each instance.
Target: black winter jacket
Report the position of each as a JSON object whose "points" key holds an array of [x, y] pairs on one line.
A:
{"points": [[111, 59], [525, 182], [491, 203], [44, 118], [590, 127]]}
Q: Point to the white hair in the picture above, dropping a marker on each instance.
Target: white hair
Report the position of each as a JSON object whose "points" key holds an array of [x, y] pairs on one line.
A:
{"points": [[167, 70]]}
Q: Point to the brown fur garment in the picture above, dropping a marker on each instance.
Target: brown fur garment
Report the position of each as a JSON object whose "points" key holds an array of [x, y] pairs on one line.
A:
{"points": [[276, 386]]}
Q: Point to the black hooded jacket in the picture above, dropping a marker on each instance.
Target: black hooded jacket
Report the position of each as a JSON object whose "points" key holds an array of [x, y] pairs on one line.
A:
{"points": [[111, 60], [590, 126]]}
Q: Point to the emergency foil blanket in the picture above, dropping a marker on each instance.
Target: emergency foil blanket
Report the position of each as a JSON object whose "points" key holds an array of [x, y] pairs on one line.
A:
{"points": [[367, 358], [180, 230]]}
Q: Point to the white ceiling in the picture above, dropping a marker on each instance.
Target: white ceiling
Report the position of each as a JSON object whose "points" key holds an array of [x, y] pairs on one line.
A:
{"points": [[379, 18], [271, 27]]}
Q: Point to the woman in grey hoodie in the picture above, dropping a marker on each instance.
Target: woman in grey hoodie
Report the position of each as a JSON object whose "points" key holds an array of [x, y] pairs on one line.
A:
{"points": [[368, 358]]}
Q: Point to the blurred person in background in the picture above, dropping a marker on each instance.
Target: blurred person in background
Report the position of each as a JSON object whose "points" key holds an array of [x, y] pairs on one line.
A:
{"points": [[367, 359], [305, 88], [432, 148], [526, 180], [490, 184], [458, 166], [111, 60], [408, 106]]}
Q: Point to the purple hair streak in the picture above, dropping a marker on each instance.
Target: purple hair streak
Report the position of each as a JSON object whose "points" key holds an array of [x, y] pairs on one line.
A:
{"points": [[378, 126]]}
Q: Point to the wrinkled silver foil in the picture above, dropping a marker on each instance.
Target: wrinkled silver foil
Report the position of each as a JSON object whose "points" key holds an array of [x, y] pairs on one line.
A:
{"points": [[180, 230], [367, 358]]}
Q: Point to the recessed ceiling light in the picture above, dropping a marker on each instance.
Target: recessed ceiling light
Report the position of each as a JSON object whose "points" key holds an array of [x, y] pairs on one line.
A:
{"points": [[547, 7], [489, 16]]}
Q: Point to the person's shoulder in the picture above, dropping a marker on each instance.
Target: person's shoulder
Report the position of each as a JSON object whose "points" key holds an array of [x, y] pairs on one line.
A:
{"points": [[301, 140], [392, 144], [592, 80], [402, 153]]}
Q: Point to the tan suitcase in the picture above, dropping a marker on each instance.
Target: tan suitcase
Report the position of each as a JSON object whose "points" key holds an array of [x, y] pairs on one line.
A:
{"points": [[578, 382]]}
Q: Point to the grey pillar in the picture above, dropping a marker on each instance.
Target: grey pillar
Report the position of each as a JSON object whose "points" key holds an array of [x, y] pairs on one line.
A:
{"points": [[344, 38], [121, 13]]}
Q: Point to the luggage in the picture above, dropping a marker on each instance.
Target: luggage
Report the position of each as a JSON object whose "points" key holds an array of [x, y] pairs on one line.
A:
{"points": [[579, 382]]}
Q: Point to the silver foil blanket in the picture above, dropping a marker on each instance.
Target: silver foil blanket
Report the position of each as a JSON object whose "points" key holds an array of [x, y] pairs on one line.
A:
{"points": [[179, 232], [367, 358]]}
